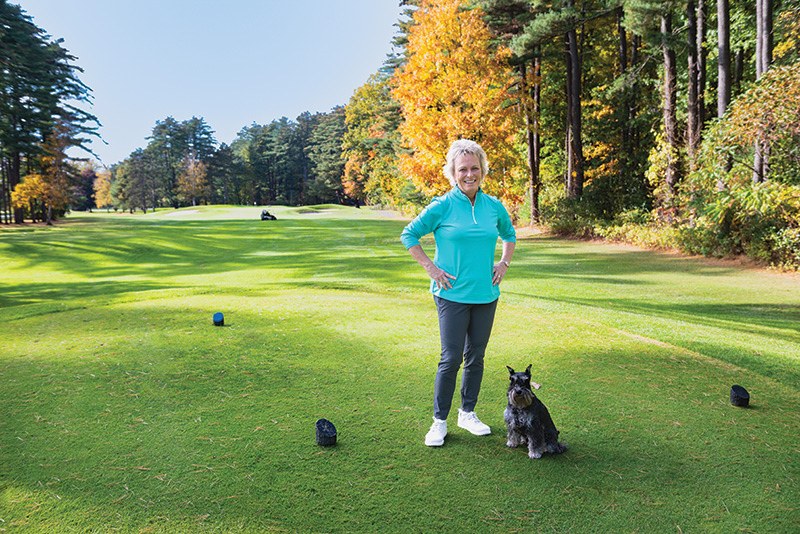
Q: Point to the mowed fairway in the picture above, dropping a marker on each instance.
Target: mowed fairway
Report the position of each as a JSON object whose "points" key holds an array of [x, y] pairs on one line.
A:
{"points": [[123, 409]]}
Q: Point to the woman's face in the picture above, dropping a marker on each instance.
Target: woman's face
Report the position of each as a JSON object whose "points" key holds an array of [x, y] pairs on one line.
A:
{"points": [[467, 174]]}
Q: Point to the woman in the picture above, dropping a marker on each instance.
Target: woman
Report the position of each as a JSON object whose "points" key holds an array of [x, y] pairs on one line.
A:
{"points": [[464, 280]]}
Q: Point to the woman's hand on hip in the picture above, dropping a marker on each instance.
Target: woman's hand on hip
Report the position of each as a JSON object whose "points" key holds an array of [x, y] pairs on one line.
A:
{"points": [[498, 272], [442, 278]]}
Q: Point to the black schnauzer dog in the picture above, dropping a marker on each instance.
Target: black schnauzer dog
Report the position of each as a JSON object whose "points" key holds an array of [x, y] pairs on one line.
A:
{"points": [[528, 419]]}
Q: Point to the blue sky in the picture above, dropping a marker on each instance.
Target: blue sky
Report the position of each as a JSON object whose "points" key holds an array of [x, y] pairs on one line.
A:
{"points": [[233, 63]]}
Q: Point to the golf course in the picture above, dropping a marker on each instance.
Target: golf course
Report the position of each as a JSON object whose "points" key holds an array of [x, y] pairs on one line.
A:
{"points": [[124, 409]]}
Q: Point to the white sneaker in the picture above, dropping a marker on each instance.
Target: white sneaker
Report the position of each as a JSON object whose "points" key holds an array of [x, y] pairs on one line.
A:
{"points": [[435, 436], [469, 421]]}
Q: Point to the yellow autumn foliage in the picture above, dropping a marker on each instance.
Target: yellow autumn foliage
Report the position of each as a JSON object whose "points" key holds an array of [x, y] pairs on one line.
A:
{"points": [[454, 86]]}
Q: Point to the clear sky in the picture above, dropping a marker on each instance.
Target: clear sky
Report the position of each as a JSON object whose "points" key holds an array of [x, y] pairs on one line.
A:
{"points": [[233, 63]]}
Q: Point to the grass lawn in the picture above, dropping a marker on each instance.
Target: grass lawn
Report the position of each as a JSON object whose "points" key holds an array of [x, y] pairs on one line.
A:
{"points": [[123, 409]]}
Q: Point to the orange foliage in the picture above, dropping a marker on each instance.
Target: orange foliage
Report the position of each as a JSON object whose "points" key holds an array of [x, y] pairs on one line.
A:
{"points": [[455, 86], [53, 187], [354, 180]]}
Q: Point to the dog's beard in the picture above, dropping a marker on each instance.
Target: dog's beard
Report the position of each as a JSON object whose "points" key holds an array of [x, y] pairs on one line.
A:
{"points": [[520, 399]]}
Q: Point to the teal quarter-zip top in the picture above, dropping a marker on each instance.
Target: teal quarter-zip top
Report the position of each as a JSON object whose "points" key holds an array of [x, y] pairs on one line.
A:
{"points": [[466, 235]]}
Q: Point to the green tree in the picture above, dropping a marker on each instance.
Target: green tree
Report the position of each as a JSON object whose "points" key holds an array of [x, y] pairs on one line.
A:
{"points": [[562, 21], [170, 142], [325, 152], [507, 20], [199, 139], [135, 182], [370, 144], [273, 160], [39, 87], [165, 150], [306, 123], [222, 175]]}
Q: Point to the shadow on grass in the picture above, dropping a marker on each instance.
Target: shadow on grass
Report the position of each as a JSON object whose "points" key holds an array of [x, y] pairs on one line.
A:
{"points": [[65, 295], [119, 258], [202, 425], [204, 428], [776, 321], [183, 248]]}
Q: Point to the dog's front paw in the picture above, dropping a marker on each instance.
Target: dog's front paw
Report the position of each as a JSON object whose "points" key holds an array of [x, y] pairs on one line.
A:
{"points": [[534, 455], [511, 444]]}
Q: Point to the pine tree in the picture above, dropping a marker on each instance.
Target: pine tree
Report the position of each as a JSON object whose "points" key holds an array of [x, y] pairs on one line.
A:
{"points": [[325, 152], [39, 87]]}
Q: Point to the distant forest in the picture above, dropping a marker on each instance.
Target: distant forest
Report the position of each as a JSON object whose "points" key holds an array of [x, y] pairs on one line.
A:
{"points": [[658, 123]]}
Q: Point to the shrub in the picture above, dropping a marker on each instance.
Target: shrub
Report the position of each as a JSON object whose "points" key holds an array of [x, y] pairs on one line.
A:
{"points": [[571, 217], [743, 219], [701, 238], [786, 249], [640, 228]]}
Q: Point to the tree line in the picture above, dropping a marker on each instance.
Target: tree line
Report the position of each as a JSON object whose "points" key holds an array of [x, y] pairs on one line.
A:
{"points": [[284, 162], [596, 116]]}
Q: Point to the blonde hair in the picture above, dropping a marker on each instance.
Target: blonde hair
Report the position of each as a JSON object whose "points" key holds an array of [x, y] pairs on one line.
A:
{"points": [[460, 148]]}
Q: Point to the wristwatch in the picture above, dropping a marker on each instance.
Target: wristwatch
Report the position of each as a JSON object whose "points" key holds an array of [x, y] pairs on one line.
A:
{"points": [[507, 263]]}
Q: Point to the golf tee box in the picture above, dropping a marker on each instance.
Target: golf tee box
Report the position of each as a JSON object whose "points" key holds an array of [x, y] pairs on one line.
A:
{"points": [[219, 319], [326, 433]]}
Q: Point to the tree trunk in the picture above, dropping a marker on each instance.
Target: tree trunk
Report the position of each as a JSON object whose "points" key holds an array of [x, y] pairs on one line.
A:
{"points": [[576, 183], [626, 167], [623, 70], [633, 108], [738, 70], [702, 55], [568, 137], [530, 99], [724, 57], [537, 138], [763, 36], [693, 107], [723, 67], [672, 176], [13, 180], [763, 61]]}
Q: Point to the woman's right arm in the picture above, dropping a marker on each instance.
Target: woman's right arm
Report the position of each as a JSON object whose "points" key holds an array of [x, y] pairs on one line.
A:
{"points": [[424, 224]]}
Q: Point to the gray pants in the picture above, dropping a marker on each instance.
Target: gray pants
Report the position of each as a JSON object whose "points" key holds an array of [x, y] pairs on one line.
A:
{"points": [[464, 330]]}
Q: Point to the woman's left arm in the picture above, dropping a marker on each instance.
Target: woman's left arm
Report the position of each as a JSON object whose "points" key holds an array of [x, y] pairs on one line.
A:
{"points": [[501, 268]]}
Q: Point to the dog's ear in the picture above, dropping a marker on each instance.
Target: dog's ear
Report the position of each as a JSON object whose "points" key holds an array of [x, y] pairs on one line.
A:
{"points": [[510, 370], [528, 371]]}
